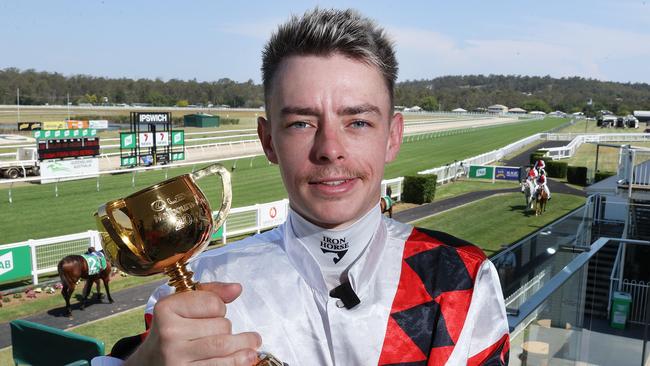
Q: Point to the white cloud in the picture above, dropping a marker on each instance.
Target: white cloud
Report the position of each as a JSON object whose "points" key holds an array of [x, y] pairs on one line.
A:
{"points": [[544, 47]]}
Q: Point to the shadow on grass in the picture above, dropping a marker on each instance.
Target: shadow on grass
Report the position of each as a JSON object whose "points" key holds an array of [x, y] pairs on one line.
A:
{"points": [[75, 305]]}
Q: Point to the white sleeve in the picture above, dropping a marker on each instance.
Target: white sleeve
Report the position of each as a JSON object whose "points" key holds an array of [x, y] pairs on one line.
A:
{"points": [[106, 361], [159, 293], [485, 335]]}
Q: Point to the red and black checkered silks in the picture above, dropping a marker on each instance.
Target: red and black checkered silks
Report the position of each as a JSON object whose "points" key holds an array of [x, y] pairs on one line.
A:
{"points": [[432, 301]]}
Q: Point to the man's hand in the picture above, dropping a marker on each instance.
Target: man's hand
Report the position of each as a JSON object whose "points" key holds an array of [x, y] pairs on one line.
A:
{"points": [[191, 328]]}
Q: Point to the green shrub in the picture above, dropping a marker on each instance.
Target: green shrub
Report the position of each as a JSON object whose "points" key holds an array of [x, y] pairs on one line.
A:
{"points": [[577, 175], [602, 175], [556, 169], [420, 188], [537, 155]]}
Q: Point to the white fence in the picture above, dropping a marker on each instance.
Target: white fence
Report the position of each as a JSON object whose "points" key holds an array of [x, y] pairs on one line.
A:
{"points": [[46, 253], [457, 169], [578, 139], [634, 166]]}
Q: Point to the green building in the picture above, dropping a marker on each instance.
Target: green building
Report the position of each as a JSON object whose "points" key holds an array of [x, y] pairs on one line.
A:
{"points": [[200, 120]]}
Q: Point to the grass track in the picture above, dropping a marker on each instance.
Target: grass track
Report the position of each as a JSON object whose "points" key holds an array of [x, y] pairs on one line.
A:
{"points": [[37, 213], [498, 220]]}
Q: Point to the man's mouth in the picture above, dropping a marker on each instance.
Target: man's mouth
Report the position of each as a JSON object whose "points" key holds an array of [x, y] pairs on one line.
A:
{"points": [[331, 182]]}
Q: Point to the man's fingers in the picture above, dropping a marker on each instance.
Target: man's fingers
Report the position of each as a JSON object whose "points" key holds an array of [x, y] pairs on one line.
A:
{"points": [[198, 328], [245, 357], [228, 292], [190, 304], [224, 345]]}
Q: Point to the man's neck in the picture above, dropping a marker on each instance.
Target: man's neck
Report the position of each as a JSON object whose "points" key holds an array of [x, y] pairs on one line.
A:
{"points": [[335, 250]]}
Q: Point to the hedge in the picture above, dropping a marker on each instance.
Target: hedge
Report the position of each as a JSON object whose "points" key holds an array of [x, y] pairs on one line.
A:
{"points": [[537, 155], [556, 169], [602, 175], [419, 189], [577, 175]]}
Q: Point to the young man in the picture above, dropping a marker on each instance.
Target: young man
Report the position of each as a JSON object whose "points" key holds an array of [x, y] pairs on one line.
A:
{"points": [[337, 284]]}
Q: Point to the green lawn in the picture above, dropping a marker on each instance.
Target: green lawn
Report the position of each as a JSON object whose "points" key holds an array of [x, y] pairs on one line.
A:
{"points": [[498, 220], [607, 156], [470, 185], [110, 330], [37, 213]]}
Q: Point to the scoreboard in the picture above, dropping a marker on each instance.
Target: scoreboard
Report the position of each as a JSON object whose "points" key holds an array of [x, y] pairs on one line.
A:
{"points": [[68, 148]]}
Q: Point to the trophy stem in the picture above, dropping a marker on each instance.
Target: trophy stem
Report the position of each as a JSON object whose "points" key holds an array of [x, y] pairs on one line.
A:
{"points": [[180, 277]]}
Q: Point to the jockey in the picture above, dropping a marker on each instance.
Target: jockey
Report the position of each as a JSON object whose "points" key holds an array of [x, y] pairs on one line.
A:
{"points": [[539, 167], [541, 183]]}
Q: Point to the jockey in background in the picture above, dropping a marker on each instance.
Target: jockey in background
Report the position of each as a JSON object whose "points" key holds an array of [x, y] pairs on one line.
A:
{"points": [[541, 183], [539, 167]]}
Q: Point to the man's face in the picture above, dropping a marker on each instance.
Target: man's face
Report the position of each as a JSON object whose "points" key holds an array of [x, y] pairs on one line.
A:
{"points": [[330, 129]]}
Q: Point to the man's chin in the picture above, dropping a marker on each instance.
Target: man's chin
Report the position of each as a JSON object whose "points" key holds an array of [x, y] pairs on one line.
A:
{"points": [[330, 216]]}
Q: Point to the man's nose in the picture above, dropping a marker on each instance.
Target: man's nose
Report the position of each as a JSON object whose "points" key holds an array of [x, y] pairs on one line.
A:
{"points": [[329, 145]]}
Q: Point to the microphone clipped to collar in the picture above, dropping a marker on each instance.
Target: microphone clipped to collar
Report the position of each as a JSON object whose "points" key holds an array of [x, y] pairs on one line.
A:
{"points": [[346, 294]]}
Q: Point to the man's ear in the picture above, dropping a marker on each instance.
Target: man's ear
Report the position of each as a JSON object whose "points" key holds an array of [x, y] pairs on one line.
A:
{"points": [[264, 133], [394, 137]]}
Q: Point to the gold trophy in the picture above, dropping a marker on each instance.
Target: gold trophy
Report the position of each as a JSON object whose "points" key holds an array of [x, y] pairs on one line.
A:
{"points": [[158, 229]]}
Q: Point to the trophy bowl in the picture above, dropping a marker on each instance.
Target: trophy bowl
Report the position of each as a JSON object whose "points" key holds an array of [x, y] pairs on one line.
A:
{"points": [[158, 229]]}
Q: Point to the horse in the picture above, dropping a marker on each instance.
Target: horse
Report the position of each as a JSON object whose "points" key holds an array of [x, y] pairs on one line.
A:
{"points": [[527, 190], [540, 202], [74, 267], [386, 203]]}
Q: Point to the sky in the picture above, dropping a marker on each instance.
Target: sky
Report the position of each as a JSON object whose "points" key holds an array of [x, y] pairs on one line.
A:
{"points": [[211, 40]]}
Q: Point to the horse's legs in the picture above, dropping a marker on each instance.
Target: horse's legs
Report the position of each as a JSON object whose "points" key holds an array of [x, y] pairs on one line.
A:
{"points": [[108, 293], [99, 290], [87, 287], [66, 292], [390, 212]]}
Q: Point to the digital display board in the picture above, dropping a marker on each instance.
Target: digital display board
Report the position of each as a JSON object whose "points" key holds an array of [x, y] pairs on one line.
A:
{"points": [[68, 148]]}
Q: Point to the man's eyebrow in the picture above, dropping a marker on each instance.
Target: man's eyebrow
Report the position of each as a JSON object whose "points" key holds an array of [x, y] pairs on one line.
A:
{"points": [[303, 111], [358, 109]]}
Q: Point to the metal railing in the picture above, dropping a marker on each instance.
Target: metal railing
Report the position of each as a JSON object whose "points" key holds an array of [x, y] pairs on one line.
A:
{"points": [[550, 327], [578, 139]]}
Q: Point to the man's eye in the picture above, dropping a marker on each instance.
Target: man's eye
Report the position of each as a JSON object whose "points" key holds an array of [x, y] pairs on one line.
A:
{"points": [[359, 124], [299, 124]]}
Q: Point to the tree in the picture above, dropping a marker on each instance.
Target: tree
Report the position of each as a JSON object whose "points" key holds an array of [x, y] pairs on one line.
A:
{"points": [[429, 103], [182, 103]]}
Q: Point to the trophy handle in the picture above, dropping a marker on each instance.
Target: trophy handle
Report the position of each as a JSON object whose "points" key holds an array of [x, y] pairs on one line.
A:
{"points": [[115, 230], [226, 195]]}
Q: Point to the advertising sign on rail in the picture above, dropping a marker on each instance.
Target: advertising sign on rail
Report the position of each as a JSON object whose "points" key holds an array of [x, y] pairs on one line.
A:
{"points": [[60, 170], [76, 125], [273, 214], [29, 126], [15, 263], [100, 124], [55, 125], [481, 172], [507, 173]]}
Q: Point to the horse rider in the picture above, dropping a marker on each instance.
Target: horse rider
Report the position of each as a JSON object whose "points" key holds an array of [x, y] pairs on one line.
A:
{"points": [[539, 167], [541, 184]]}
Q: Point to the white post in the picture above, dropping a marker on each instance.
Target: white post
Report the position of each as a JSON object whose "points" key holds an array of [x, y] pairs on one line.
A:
{"points": [[258, 222], [32, 248]]}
